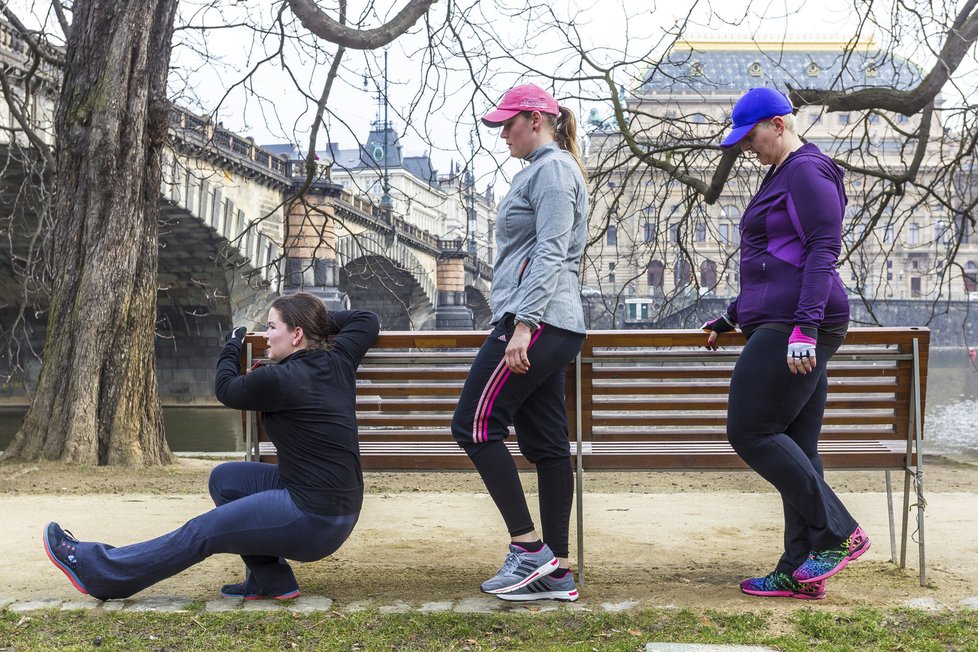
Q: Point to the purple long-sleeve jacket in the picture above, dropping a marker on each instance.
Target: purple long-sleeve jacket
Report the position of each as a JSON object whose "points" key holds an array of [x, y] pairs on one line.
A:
{"points": [[791, 238]]}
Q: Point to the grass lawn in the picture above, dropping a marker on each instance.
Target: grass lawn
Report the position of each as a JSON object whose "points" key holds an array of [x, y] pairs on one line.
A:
{"points": [[805, 629]]}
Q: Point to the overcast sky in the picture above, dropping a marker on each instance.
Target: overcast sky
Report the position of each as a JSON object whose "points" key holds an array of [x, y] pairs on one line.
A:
{"points": [[603, 26], [612, 30]]}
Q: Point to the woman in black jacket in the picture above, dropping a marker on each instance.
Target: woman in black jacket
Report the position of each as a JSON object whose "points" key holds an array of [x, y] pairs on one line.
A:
{"points": [[303, 509]]}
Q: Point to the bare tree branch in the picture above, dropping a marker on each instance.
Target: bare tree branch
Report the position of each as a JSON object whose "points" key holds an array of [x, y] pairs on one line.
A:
{"points": [[316, 21], [960, 37]]}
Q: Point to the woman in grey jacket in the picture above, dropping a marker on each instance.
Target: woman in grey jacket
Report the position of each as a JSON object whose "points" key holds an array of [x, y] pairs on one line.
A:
{"points": [[517, 377]]}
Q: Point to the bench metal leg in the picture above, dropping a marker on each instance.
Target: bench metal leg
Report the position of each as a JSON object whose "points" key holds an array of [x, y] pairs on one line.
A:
{"points": [[580, 471], [906, 518], [891, 517], [918, 441]]}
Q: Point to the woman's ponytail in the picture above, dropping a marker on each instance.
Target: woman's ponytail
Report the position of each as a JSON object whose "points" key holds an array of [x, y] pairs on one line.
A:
{"points": [[565, 133]]}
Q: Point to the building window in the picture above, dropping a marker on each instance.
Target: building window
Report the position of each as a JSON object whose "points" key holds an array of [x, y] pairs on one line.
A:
{"points": [[729, 211], [611, 267], [970, 276], [655, 274], [648, 232], [843, 118], [674, 233], [612, 237], [724, 233], [815, 118], [913, 234], [684, 273], [708, 274], [700, 232], [611, 278], [888, 234]]}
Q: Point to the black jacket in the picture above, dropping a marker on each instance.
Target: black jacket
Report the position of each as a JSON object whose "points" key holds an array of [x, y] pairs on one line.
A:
{"points": [[308, 406]]}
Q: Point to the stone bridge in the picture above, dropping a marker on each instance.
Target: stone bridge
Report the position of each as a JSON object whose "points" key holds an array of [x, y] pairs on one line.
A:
{"points": [[233, 235]]}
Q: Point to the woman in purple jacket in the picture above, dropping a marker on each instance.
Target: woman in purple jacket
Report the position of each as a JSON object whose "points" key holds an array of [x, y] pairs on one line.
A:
{"points": [[793, 310]]}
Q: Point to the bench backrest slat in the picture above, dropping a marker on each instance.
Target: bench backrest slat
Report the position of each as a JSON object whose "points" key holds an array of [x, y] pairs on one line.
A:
{"points": [[648, 399]]}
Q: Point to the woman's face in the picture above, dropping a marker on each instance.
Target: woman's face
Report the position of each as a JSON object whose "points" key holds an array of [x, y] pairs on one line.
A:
{"points": [[764, 140], [520, 135], [281, 341]]}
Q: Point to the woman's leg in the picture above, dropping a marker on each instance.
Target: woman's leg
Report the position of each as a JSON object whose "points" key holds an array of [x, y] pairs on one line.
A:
{"points": [[489, 401], [235, 480], [266, 524], [765, 398], [541, 431], [805, 431]]}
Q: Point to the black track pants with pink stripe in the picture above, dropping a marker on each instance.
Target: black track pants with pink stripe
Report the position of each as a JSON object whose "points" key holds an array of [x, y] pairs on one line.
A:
{"points": [[493, 399]]}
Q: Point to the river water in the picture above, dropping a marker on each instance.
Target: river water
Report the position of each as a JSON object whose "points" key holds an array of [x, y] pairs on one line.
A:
{"points": [[951, 423]]}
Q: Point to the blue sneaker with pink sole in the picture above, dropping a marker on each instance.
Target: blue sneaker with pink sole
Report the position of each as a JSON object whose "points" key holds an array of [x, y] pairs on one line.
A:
{"points": [[60, 547]]}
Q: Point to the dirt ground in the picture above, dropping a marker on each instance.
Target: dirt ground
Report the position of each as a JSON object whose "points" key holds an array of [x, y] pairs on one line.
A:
{"points": [[655, 539]]}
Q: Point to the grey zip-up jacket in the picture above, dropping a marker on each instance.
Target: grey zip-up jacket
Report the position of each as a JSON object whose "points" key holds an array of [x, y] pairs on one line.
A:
{"points": [[541, 229]]}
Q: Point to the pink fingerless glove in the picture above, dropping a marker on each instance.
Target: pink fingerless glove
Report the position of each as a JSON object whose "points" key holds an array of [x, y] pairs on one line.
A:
{"points": [[801, 345]]}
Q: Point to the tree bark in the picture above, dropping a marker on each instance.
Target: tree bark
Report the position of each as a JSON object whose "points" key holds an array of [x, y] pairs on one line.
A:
{"points": [[97, 400]]}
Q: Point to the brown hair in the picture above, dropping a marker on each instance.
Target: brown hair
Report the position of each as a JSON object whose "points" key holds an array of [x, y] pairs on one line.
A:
{"points": [[564, 127], [308, 312]]}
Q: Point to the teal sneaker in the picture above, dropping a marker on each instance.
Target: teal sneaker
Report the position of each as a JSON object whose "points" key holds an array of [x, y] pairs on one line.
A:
{"points": [[781, 585], [822, 564]]}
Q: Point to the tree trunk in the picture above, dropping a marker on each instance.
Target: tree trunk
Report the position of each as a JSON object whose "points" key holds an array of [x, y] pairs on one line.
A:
{"points": [[97, 400]]}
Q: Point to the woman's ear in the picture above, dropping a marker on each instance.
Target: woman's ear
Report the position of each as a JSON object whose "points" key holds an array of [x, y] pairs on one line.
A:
{"points": [[297, 336]]}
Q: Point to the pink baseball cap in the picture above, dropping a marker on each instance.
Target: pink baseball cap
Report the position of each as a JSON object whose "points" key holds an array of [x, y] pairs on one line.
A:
{"points": [[528, 97]]}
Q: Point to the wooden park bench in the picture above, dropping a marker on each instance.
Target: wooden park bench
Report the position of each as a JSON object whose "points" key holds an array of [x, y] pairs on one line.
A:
{"points": [[643, 401]]}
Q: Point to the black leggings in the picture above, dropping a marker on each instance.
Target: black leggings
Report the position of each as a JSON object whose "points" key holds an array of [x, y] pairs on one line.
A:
{"points": [[493, 399], [774, 420]]}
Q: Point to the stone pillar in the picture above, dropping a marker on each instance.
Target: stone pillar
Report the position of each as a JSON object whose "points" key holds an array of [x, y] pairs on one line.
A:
{"points": [[451, 313], [310, 250]]}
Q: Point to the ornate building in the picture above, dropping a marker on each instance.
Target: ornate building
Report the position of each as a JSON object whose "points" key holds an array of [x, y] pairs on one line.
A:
{"points": [[658, 248]]}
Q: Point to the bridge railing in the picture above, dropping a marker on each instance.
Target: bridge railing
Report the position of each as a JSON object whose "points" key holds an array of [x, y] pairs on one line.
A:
{"points": [[207, 133]]}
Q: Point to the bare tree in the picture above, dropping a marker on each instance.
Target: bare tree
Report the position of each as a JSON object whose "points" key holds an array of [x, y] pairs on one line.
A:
{"points": [[97, 400]]}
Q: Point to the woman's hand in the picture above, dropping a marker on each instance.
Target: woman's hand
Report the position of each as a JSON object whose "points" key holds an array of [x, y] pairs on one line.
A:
{"points": [[517, 359], [801, 352], [721, 324]]}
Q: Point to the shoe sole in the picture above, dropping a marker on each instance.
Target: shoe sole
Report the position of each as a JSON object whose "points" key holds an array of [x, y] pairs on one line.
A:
{"points": [[783, 594], [258, 596], [542, 571], [855, 554], [560, 596], [70, 574]]}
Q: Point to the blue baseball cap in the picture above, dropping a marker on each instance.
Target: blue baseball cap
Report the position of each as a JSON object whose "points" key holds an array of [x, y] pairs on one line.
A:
{"points": [[756, 105]]}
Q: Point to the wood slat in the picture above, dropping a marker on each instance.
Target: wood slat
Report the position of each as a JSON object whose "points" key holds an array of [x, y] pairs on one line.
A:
{"points": [[649, 399]]}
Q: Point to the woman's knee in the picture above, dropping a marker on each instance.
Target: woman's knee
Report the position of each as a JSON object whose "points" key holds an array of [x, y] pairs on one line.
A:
{"points": [[218, 481]]}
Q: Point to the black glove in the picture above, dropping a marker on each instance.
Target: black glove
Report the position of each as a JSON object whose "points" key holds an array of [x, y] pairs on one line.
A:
{"points": [[236, 336], [721, 324]]}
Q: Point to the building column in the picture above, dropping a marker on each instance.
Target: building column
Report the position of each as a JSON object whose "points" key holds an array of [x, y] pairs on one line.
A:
{"points": [[310, 250], [451, 313]]}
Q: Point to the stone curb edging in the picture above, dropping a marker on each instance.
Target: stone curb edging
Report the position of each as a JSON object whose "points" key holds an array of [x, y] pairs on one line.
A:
{"points": [[313, 604]]}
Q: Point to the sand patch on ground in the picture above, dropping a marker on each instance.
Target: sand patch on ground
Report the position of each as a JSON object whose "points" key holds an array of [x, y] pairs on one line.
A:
{"points": [[681, 539]]}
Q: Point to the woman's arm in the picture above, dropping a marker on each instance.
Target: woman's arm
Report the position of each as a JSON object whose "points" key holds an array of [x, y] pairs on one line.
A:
{"points": [[817, 207], [256, 390], [553, 194], [355, 332]]}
